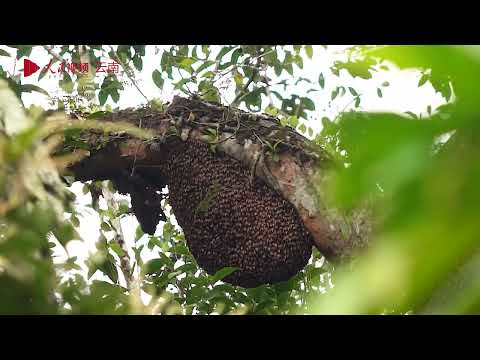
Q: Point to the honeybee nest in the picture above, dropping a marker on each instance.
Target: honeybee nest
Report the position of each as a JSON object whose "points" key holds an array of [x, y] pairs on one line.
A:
{"points": [[230, 219]]}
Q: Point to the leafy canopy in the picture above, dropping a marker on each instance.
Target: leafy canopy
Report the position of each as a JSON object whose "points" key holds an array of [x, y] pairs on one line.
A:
{"points": [[419, 172]]}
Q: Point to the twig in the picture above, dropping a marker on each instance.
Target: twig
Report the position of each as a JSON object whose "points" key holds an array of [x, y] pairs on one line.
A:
{"points": [[133, 81], [186, 85], [125, 68], [51, 52], [14, 66], [119, 237], [348, 104], [243, 92]]}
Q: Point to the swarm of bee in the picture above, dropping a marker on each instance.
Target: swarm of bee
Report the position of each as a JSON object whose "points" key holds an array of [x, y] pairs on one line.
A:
{"points": [[230, 220]]}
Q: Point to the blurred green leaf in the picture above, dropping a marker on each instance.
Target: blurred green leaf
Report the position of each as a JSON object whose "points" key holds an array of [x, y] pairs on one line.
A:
{"points": [[157, 79], [31, 87], [222, 273]]}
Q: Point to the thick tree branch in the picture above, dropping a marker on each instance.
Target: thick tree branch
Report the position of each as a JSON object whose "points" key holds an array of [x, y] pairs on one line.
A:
{"points": [[297, 171]]}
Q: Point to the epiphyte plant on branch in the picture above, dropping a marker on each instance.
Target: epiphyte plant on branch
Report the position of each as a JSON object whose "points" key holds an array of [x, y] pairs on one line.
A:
{"points": [[254, 216]]}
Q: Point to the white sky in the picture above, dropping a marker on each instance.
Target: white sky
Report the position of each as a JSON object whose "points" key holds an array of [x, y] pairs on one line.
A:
{"points": [[402, 95]]}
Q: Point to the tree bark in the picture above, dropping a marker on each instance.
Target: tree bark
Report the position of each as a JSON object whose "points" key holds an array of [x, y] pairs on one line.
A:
{"points": [[286, 161]]}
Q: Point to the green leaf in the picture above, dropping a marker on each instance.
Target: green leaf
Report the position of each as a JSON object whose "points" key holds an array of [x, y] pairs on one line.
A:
{"points": [[66, 83], [138, 63], [109, 269], [289, 69], [241, 298], [302, 128], [205, 65], [115, 95], [308, 104], [105, 226], [271, 110], [277, 95], [357, 102], [137, 252], [357, 68], [235, 55], [222, 273], [155, 265], [64, 233], [423, 79], [278, 69], [300, 79], [23, 50], [334, 94], [117, 249], [4, 53], [174, 274], [195, 294], [379, 92], [209, 75], [167, 231], [31, 87], [208, 91], [180, 249], [309, 51], [413, 115], [179, 84], [293, 121], [353, 91], [321, 80], [157, 78], [194, 52], [223, 52], [187, 268], [85, 189], [238, 78], [186, 63], [138, 233], [154, 241], [75, 221], [167, 260], [102, 97], [298, 61]]}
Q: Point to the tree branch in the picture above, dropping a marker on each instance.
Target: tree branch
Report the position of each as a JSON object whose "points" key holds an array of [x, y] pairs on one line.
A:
{"points": [[125, 68], [297, 172]]}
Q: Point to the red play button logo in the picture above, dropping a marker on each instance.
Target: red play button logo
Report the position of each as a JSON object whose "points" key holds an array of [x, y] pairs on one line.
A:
{"points": [[29, 67]]}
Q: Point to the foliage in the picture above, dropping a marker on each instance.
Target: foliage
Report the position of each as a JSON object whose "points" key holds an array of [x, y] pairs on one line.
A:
{"points": [[420, 174], [428, 198]]}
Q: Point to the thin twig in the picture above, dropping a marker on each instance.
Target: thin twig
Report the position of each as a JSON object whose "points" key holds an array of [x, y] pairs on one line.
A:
{"points": [[125, 68], [235, 132], [242, 92], [51, 52], [119, 237], [133, 81]]}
